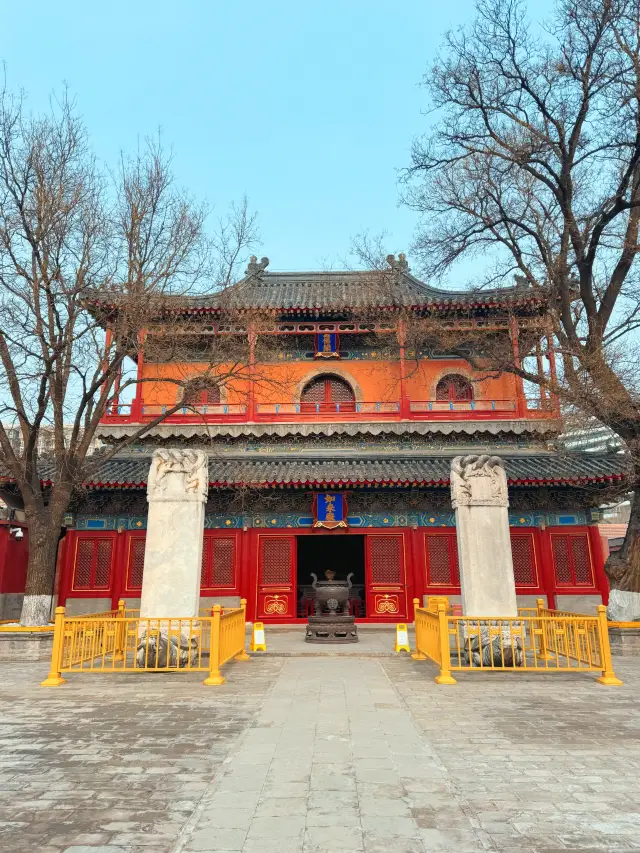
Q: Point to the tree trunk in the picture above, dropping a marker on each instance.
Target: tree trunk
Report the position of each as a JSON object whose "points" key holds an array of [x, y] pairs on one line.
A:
{"points": [[41, 568], [623, 571]]}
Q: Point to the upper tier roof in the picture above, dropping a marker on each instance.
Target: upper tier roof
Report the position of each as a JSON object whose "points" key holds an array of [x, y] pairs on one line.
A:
{"points": [[334, 292]]}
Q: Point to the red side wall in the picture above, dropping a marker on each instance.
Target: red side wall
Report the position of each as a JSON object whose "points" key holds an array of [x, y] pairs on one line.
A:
{"points": [[14, 554]]}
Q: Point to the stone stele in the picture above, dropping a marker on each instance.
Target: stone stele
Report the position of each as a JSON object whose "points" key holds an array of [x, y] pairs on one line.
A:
{"points": [[479, 497], [176, 492]]}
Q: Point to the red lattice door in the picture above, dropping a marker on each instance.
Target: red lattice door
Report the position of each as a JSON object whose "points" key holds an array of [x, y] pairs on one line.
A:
{"points": [[441, 553], [219, 563], [276, 577], [135, 561], [93, 563], [523, 551], [572, 559], [386, 588]]}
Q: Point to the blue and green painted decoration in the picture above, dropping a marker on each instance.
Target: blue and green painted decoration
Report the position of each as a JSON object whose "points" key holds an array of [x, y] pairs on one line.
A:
{"points": [[291, 520]]}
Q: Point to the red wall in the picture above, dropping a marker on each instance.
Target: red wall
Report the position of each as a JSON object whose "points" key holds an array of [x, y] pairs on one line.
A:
{"points": [[14, 554], [544, 579]]}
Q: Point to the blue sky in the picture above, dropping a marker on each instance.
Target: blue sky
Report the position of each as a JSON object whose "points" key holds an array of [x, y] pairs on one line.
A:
{"points": [[309, 108]]}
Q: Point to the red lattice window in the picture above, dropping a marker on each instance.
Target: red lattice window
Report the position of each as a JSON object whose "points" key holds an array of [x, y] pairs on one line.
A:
{"points": [[385, 559], [92, 569], [581, 561], [218, 562], [276, 560], [327, 391], [206, 395], [442, 559], [454, 387], [524, 560], [204, 570], [572, 559], [135, 563]]}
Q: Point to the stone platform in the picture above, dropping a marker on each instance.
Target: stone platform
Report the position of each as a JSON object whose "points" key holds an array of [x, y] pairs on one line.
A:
{"points": [[625, 641], [22, 646], [319, 754]]}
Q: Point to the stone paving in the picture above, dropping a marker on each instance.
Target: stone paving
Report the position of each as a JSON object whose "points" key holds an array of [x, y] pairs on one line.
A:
{"points": [[319, 754]]}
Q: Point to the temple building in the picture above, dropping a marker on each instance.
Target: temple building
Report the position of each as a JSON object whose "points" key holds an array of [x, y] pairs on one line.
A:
{"points": [[330, 447]]}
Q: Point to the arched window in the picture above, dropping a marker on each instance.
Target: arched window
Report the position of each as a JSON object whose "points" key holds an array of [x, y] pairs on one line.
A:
{"points": [[454, 388], [328, 393], [202, 394]]}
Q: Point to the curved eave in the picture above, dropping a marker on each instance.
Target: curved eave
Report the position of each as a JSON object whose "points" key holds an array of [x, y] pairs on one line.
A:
{"points": [[345, 484], [432, 305]]}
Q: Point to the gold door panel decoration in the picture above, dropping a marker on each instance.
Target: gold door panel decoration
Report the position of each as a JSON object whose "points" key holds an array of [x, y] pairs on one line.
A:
{"points": [[276, 605], [388, 604]]}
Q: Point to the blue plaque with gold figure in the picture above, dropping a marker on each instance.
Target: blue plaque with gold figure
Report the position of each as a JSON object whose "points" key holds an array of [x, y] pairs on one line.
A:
{"points": [[330, 510], [327, 345]]}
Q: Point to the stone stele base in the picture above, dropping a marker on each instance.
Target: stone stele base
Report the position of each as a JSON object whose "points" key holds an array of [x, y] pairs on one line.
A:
{"points": [[21, 646], [625, 641]]}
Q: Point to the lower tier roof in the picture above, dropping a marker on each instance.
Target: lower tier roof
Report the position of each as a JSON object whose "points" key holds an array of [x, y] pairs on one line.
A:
{"points": [[169, 431], [540, 469]]}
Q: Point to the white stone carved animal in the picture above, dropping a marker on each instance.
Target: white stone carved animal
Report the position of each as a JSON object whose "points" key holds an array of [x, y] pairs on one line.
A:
{"points": [[191, 463], [156, 650], [482, 649]]}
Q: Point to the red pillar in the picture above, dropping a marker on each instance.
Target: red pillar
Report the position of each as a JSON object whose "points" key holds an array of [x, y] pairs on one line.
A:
{"points": [[60, 562], [515, 350], [243, 564], [248, 571], [541, 372], [137, 405], [112, 408], [252, 367], [405, 408], [551, 355], [597, 552], [547, 570], [66, 566], [118, 580], [416, 539]]}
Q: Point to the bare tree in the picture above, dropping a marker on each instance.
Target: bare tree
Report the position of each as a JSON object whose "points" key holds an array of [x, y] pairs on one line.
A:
{"points": [[531, 168], [69, 231]]}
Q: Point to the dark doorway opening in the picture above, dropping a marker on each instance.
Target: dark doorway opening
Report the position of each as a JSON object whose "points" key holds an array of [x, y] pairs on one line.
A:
{"points": [[343, 554]]}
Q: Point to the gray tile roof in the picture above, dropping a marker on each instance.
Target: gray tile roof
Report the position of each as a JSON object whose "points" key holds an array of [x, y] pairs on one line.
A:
{"points": [[535, 469], [307, 292]]}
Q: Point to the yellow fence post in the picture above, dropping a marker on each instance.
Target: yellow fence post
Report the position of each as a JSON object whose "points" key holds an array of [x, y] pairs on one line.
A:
{"points": [[215, 676], [417, 655], [608, 675], [445, 676], [544, 651], [118, 652], [243, 654], [55, 679]]}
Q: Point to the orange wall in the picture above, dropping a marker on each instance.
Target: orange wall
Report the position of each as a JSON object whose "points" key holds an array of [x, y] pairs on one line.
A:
{"points": [[423, 376], [376, 380]]}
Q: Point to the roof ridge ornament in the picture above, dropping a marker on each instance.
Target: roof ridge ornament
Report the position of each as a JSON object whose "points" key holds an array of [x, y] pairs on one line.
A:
{"points": [[399, 265], [255, 269]]}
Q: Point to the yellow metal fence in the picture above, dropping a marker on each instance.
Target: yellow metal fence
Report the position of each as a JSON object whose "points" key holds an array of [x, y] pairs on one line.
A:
{"points": [[537, 640], [117, 641]]}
